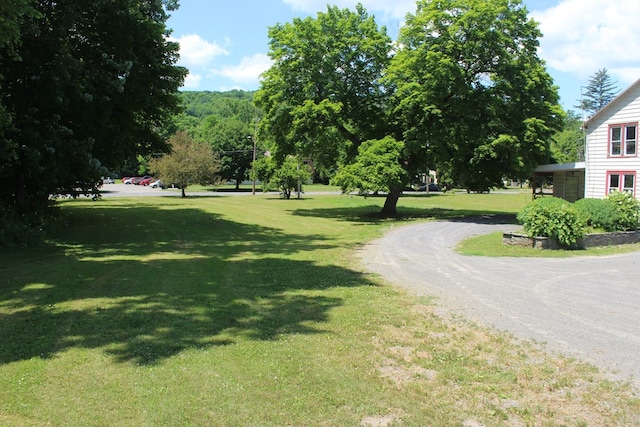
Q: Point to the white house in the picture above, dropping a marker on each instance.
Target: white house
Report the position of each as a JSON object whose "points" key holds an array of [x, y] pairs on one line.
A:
{"points": [[611, 150], [611, 153]]}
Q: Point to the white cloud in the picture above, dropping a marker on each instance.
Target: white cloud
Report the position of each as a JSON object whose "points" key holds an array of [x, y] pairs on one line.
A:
{"points": [[249, 69], [192, 81], [583, 36], [194, 50]]}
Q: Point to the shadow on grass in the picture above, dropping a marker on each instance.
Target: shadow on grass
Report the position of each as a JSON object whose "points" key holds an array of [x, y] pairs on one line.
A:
{"points": [[143, 284], [372, 214]]}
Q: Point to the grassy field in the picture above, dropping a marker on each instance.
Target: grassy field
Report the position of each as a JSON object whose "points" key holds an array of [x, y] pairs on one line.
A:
{"points": [[227, 311]]}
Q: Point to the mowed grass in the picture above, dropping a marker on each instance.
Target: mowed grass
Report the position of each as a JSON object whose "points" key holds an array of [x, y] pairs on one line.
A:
{"points": [[251, 310], [491, 245]]}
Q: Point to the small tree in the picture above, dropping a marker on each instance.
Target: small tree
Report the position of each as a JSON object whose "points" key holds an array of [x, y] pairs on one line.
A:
{"points": [[286, 178], [377, 167], [600, 91], [190, 162]]}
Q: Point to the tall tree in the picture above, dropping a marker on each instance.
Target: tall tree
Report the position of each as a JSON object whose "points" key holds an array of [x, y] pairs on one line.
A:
{"points": [[323, 96], [89, 86], [599, 92], [471, 92]]}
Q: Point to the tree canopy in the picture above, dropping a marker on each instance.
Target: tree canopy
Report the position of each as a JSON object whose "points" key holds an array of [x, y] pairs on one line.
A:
{"points": [[462, 90], [227, 122], [189, 162], [85, 87], [323, 95], [471, 92], [568, 143]]}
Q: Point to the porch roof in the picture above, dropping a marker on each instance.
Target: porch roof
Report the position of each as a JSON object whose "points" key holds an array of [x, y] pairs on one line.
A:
{"points": [[560, 167]]}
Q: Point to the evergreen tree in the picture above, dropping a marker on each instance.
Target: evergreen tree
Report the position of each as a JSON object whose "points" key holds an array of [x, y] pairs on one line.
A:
{"points": [[599, 92]]}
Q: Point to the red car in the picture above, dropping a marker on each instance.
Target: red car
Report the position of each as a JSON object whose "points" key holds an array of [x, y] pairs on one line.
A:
{"points": [[146, 181]]}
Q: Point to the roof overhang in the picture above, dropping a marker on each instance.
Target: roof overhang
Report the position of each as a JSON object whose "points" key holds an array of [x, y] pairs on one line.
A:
{"points": [[561, 167]]}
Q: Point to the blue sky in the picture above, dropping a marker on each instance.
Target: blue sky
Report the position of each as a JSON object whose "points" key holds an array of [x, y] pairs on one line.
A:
{"points": [[224, 43]]}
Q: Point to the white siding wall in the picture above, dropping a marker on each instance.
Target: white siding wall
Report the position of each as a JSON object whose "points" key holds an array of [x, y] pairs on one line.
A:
{"points": [[625, 109]]}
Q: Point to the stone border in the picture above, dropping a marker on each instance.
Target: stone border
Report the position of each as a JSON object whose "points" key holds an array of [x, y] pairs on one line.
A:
{"points": [[589, 241]]}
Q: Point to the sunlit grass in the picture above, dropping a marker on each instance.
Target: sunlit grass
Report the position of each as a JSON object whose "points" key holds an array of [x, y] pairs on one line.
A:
{"points": [[255, 311], [491, 245]]}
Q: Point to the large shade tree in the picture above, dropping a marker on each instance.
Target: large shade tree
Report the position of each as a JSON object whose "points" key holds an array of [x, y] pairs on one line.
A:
{"points": [[471, 91], [463, 90], [323, 96], [86, 86]]}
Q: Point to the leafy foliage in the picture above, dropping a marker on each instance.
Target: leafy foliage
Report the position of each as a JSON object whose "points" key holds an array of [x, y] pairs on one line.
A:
{"points": [[376, 168], [225, 120], [600, 91], [84, 89], [323, 95], [599, 213], [628, 209], [567, 145], [463, 90], [285, 177], [190, 162], [472, 93], [553, 217]]}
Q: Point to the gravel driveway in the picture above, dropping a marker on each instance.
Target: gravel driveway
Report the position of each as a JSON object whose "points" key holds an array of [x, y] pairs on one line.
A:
{"points": [[588, 307]]}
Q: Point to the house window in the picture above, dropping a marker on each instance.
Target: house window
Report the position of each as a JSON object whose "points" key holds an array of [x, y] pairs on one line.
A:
{"points": [[621, 181], [623, 140]]}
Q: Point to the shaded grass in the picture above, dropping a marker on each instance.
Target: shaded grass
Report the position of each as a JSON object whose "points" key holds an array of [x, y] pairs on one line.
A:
{"points": [[254, 311]]}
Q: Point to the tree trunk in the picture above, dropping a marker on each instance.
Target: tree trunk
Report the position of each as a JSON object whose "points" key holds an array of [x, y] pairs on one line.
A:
{"points": [[183, 193], [391, 201]]}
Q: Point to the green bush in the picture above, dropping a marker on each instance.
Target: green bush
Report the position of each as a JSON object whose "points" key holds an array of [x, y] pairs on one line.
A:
{"points": [[554, 218], [627, 208], [599, 213]]}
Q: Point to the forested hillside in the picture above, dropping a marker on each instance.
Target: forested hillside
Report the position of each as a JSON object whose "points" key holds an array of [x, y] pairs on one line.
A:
{"points": [[227, 121]]}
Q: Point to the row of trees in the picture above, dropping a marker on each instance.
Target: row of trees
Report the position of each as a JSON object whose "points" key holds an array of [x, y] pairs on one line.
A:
{"points": [[90, 89], [85, 87], [462, 90]]}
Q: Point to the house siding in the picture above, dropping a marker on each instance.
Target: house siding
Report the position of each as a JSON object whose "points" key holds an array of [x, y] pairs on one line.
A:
{"points": [[624, 109]]}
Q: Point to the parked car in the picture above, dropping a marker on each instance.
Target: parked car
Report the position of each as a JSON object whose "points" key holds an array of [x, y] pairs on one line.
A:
{"points": [[126, 180], [108, 180], [138, 179], [157, 184], [146, 181], [432, 187]]}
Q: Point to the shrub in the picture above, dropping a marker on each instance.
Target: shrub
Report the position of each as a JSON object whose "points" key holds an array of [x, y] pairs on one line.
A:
{"points": [[599, 213], [627, 208], [554, 218]]}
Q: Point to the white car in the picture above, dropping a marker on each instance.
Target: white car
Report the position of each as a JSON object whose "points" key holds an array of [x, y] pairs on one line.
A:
{"points": [[156, 184]]}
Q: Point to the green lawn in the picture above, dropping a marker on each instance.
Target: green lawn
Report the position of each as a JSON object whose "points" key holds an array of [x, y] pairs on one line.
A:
{"points": [[255, 311]]}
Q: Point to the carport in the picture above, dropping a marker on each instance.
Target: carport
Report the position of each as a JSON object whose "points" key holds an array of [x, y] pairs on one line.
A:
{"points": [[563, 180]]}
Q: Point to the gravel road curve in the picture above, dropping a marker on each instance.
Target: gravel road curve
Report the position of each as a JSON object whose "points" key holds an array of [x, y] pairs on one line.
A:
{"points": [[587, 307]]}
